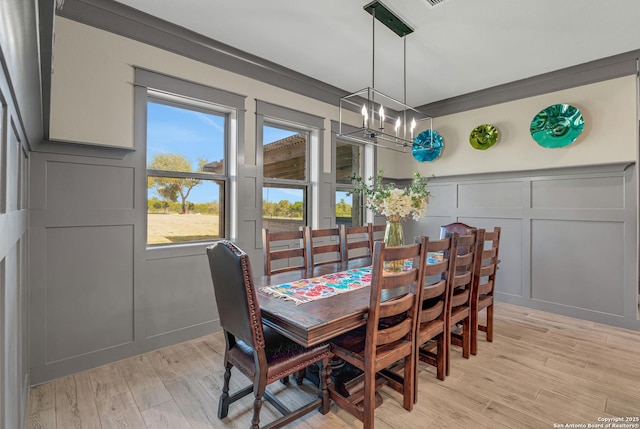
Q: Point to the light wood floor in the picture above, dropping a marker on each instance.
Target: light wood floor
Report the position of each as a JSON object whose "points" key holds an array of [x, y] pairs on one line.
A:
{"points": [[542, 369]]}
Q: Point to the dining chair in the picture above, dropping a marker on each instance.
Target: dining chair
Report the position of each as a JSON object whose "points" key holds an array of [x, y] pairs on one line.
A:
{"points": [[460, 294], [257, 351], [324, 246], [278, 246], [376, 233], [432, 328], [389, 334], [459, 227], [485, 269], [356, 242]]}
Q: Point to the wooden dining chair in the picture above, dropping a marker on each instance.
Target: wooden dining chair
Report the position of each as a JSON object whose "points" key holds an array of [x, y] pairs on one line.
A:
{"points": [[356, 242], [484, 284], [376, 232], [460, 293], [324, 246], [257, 351], [432, 328], [280, 246], [389, 334]]}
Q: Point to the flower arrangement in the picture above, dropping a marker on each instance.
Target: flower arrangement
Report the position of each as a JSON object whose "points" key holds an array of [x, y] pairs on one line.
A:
{"points": [[394, 203]]}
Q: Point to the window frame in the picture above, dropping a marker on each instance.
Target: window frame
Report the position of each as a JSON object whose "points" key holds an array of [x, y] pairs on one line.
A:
{"points": [[348, 187], [289, 183], [282, 117], [181, 102], [218, 101]]}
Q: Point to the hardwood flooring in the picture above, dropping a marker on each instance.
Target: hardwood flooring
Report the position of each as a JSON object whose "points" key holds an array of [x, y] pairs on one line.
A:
{"points": [[541, 370]]}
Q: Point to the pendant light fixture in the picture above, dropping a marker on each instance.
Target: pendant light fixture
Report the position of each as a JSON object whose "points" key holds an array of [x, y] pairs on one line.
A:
{"points": [[386, 121]]}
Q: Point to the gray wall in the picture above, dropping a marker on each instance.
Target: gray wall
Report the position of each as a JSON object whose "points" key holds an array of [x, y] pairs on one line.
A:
{"points": [[20, 125], [98, 294], [568, 240]]}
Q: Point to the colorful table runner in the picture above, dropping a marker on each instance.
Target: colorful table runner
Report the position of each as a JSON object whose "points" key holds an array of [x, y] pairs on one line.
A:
{"points": [[306, 290]]}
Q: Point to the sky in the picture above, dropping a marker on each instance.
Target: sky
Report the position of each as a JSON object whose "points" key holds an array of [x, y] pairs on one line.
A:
{"points": [[200, 135]]}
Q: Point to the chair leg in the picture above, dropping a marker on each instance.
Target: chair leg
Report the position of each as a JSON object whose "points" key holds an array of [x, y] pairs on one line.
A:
{"points": [[369, 402], [409, 383], [300, 376], [447, 349], [474, 331], [441, 359], [466, 340], [285, 379], [490, 323], [223, 405], [257, 405]]}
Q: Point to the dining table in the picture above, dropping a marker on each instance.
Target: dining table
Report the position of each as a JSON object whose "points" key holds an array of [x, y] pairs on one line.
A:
{"points": [[317, 321]]}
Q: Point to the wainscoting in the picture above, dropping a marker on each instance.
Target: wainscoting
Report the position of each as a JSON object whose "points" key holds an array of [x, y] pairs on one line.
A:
{"points": [[568, 236]]}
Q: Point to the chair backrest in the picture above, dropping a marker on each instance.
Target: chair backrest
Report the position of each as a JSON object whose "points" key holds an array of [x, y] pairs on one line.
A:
{"points": [[325, 243], [438, 278], [376, 232], [486, 263], [459, 227], [235, 294], [463, 281], [400, 312], [277, 246], [356, 242]]}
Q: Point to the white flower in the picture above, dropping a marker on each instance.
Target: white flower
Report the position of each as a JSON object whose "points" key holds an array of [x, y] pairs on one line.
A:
{"points": [[393, 202]]}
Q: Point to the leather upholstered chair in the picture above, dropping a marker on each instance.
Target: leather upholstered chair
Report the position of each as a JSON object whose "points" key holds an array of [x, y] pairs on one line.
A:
{"points": [[459, 227], [257, 351], [432, 314], [484, 283], [389, 335]]}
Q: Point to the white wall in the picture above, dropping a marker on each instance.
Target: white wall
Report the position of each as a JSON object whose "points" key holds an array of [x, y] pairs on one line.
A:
{"points": [[609, 136], [92, 87], [92, 92]]}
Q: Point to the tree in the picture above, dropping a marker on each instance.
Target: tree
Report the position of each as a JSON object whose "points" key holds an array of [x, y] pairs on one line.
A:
{"points": [[170, 187], [343, 209]]}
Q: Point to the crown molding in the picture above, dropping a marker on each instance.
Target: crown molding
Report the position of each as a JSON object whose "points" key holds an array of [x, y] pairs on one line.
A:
{"points": [[131, 23]]}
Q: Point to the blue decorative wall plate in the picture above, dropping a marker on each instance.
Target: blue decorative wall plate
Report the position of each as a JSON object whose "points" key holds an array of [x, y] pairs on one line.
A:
{"points": [[557, 126], [427, 146]]}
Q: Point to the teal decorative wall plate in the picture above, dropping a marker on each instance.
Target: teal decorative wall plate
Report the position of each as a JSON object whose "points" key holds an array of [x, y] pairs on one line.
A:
{"points": [[557, 126], [483, 136], [427, 146]]}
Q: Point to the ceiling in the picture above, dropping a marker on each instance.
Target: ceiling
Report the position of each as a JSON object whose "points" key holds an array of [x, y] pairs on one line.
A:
{"points": [[458, 46]]}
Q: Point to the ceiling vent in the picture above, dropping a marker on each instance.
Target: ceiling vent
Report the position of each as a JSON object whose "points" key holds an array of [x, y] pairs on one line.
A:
{"points": [[435, 2]]}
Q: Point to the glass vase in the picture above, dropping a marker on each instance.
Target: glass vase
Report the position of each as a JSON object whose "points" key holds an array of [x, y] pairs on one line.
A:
{"points": [[394, 236]]}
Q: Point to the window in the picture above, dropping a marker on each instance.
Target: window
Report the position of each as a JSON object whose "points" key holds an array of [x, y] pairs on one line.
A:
{"points": [[285, 177], [348, 162], [187, 172]]}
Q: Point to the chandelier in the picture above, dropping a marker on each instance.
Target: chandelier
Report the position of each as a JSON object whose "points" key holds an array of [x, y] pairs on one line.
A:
{"points": [[386, 122]]}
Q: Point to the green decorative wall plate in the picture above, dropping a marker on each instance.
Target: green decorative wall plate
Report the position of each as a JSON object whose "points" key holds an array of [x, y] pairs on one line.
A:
{"points": [[483, 136], [557, 126]]}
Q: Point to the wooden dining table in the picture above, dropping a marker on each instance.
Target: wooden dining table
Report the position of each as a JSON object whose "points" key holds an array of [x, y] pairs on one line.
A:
{"points": [[314, 322]]}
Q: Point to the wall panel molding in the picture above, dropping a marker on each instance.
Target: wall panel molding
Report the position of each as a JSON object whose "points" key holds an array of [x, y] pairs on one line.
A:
{"points": [[568, 236]]}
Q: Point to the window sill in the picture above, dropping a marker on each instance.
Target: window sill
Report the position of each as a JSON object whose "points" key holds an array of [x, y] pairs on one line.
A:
{"points": [[168, 251]]}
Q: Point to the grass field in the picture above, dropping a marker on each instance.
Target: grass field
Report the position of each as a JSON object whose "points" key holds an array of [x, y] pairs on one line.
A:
{"points": [[176, 228]]}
